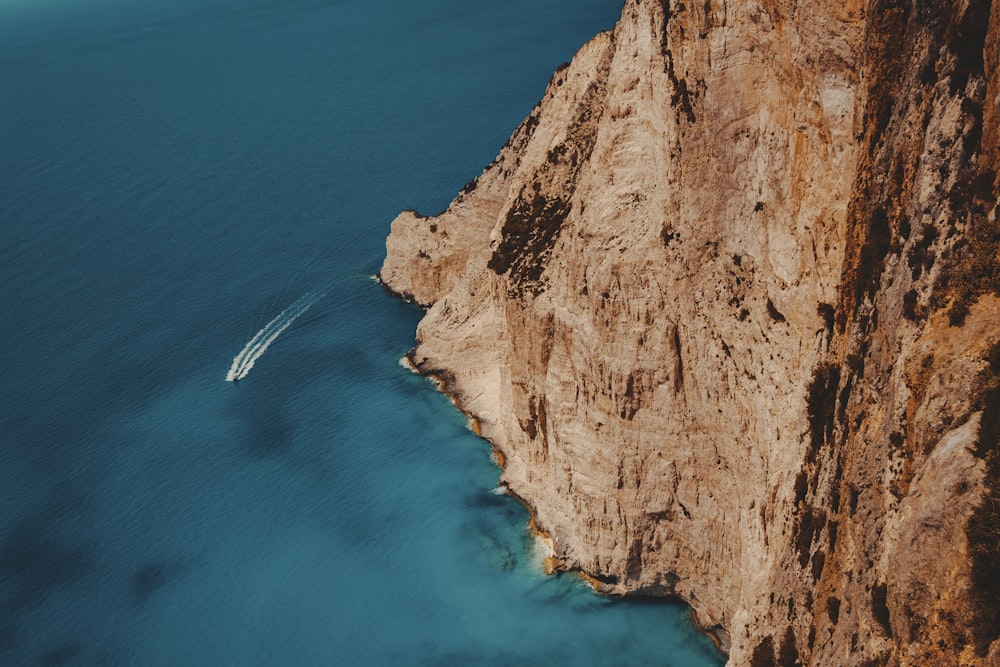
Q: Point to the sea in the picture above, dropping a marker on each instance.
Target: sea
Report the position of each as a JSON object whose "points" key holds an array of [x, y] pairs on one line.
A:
{"points": [[193, 192]]}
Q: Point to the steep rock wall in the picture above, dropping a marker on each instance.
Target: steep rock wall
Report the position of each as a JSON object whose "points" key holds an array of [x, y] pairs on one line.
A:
{"points": [[703, 303]]}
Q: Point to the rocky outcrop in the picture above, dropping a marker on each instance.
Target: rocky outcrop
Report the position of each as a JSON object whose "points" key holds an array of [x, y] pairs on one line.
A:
{"points": [[727, 305]]}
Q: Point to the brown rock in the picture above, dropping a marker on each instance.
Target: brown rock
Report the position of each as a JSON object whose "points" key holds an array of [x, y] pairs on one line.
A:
{"points": [[705, 304]]}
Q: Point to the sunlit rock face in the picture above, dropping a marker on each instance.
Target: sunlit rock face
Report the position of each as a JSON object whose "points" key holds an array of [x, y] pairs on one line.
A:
{"points": [[725, 302]]}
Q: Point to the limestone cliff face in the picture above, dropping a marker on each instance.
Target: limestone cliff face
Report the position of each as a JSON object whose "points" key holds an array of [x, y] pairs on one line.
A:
{"points": [[726, 303]]}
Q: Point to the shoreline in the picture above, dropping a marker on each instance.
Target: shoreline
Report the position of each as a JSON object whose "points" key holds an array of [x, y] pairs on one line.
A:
{"points": [[551, 564]]}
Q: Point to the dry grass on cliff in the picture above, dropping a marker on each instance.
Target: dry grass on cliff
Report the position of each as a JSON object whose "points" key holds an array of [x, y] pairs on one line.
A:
{"points": [[976, 269], [983, 529]]}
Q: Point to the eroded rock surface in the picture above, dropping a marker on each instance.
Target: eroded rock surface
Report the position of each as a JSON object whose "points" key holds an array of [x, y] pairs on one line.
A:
{"points": [[726, 304]]}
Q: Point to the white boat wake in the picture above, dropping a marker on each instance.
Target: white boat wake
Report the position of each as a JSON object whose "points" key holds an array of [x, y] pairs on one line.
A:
{"points": [[258, 345]]}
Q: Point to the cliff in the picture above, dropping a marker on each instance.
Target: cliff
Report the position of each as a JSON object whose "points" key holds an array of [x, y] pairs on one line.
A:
{"points": [[728, 304]]}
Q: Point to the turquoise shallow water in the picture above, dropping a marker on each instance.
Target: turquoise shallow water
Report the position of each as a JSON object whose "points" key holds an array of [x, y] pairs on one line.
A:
{"points": [[174, 176]]}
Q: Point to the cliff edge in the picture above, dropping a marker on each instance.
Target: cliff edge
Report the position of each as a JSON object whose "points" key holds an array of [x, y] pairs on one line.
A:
{"points": [[728, 304]]}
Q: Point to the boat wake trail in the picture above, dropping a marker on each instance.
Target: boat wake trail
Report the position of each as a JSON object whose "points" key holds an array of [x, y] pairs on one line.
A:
{"points": [[258, 345]]}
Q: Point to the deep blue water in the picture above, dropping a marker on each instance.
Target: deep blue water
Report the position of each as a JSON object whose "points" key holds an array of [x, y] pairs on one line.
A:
{"points": [[174, 175]]}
